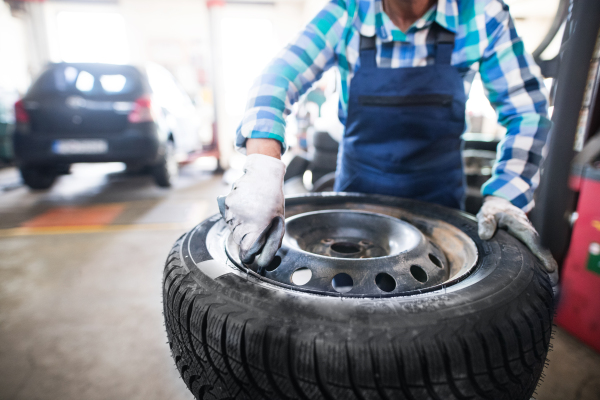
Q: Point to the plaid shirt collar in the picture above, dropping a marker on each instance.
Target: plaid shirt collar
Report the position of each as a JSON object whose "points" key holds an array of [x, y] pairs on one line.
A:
{"points": [[373, 20]]}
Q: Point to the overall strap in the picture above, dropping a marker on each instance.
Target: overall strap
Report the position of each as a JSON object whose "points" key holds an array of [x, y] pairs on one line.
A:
{"points": [[368, 51], [444, 43]]}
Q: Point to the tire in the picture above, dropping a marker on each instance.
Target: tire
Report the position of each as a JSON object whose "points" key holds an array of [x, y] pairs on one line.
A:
{"points": [[473, 200], [165, 172], [476, 181], [294, 186], [323, 161], [481, 145], [318, 174], [38, 178], [324, 183], [296, 167], [138, 169], [234, 336], [322, 141]]}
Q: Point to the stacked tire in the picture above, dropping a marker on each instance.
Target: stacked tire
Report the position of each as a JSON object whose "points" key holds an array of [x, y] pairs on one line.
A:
{"points": [[324, 159]]}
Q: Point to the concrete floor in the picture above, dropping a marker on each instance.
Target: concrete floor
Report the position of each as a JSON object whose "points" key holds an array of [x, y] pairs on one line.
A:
{"points": [[80, 291]]}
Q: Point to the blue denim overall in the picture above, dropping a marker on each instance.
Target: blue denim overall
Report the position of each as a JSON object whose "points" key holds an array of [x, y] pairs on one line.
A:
{"points": [[404, 127]]}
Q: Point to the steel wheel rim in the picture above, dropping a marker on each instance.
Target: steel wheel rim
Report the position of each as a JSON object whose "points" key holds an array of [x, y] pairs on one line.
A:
{"points": [[384, 278]]}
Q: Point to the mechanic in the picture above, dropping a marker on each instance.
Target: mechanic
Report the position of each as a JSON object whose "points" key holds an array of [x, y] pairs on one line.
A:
{"points": [[406, 68]]}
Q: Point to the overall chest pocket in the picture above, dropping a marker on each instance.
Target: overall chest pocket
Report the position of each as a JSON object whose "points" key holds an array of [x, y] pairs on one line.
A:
{"points": [[415, 118], [440, 100]]}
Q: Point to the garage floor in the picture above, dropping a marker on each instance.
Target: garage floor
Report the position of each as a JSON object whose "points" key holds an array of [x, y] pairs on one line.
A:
{"points": [[80, 289]]}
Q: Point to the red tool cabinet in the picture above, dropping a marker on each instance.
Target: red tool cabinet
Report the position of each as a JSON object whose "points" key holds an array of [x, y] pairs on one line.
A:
{"points": [[579, 305]]}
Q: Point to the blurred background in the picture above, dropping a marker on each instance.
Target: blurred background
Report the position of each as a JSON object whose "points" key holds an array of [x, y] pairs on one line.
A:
{"points": [[82, 245]]}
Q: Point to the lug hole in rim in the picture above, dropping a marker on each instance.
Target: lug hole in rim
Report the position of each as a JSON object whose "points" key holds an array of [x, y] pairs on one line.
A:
{"points": [[385, 282], [436, 261], [342, 283], [274, 264], [345, 248], [418, 273], [301, 276]]}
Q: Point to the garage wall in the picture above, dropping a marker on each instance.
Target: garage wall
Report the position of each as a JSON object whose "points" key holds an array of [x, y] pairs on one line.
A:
{"points": [[14, 69], [173, 34], [249, 37], [532, 19]]}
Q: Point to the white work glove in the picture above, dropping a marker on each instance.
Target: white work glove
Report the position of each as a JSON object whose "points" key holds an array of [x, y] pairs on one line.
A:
{"points": [[498, 212], [254, 209]]}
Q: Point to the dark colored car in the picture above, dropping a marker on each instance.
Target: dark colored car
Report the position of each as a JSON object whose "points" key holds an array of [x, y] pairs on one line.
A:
{"points": [[77, 113]]}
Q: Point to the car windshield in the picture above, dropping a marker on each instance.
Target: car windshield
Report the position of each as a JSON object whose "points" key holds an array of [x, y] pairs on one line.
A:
{"points": [[88, 80]]}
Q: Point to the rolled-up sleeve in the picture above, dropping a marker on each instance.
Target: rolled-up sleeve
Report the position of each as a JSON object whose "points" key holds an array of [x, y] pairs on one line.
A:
{"points": [[291, 74], [514, 86]]}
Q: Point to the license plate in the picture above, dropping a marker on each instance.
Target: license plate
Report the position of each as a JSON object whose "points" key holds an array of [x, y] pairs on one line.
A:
{"points": [[78, 146]]}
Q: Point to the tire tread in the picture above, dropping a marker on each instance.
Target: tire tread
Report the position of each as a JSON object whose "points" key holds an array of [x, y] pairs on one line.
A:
{"points": [[225, 350]]}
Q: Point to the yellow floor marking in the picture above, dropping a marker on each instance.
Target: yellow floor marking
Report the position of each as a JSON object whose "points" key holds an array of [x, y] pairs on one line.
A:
{"points": [[63, 230]]}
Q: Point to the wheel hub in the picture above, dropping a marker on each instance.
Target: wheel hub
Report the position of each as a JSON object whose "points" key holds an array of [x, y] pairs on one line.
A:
{"points": [[350, 234]]}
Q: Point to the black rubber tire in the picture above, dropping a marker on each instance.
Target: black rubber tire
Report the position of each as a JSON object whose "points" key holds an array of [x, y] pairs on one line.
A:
{"points": [[296, 167], [485, 338], [165, 172], [481, 145], [318, 174], [473, 201], [324, 142], [38, 178], [324, 183], [323, 161]]}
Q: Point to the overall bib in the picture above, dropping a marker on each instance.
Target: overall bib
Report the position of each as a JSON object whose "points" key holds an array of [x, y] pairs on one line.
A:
{"points": [[404, 126]]}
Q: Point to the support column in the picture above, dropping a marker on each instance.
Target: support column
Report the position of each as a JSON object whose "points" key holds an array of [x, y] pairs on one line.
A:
{"points": [[224, 138]]}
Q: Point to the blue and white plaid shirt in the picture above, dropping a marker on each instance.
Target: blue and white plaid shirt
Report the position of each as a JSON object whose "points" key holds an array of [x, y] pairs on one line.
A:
{"points": [[486, 42]]}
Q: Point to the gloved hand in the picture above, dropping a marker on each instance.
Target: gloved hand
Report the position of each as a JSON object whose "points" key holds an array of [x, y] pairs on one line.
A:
{"points": [[254, 209], [498, 212]]}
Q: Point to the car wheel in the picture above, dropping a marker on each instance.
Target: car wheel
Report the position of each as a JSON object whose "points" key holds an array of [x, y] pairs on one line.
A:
{"points": [[167, 169], [370, 297], [38, 178]]}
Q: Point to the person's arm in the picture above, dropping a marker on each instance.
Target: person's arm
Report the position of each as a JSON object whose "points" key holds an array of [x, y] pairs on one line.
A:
{"points": [[254, 209], [514, 86], [267, 147], [288, 76]]}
